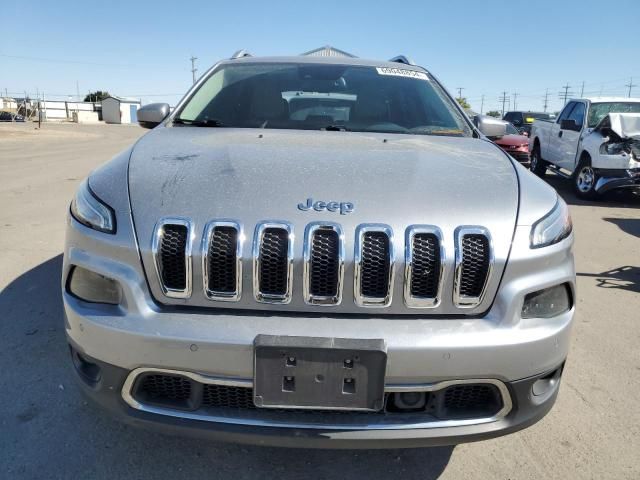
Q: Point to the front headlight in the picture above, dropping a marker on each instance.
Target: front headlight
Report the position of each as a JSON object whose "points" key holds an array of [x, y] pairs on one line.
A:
{"points": [[88, 210], [553, 227]]}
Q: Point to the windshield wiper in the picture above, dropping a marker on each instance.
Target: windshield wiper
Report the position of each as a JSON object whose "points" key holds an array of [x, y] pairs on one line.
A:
{"points": [[208, 122], [335, 128]]}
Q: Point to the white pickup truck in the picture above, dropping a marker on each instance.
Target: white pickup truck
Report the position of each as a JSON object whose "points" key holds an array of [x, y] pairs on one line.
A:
{"points": [[594, 141]]}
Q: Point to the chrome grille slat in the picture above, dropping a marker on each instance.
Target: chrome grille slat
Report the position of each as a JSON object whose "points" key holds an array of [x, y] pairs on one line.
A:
{"points": [[273, 262], [373, 265], [424, 266], [171, 249], [323, 264], [222, 261], [474, 262]]}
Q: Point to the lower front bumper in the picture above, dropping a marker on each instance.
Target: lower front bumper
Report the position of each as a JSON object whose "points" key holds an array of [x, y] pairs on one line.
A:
{"points": [[529, 404], [607, 182]]}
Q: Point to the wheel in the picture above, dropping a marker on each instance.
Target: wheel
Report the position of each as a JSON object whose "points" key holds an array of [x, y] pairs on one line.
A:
{"points": [[585, 179], [537, 165]]}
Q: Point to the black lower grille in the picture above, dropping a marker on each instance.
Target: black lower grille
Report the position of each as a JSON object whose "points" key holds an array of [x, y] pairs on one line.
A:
{"points": [[425, 268], [166, 387], [375, 265], [472, 399], [475, 264], [175, 391], [171, 253], [227, 397], [222, 260], [274, 262], [324, 263]]}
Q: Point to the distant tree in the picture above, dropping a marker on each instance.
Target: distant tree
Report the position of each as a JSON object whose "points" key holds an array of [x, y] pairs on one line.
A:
{"points": [[96, 96], [494, 113], [463, 103]]}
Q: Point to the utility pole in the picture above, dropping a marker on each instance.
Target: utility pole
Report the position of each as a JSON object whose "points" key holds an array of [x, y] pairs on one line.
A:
{"points": [[504, 99], [582, 90], [630, 85], [565, 95], [515, 100], [481, 104], [193, 68], [546, 99], [460, 92]]}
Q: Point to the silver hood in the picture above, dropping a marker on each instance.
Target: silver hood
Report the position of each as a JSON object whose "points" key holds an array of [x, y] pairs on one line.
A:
{"points": [[253, 175]]}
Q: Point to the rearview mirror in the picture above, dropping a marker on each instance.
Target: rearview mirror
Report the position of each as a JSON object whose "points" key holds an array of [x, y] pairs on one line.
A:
{"points": [[570, 125], [151, 115], [490, 127]]}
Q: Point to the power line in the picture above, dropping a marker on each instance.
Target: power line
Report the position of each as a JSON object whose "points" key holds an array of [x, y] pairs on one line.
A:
{"points": [[566, 94], [630, 85], [193, 68], [504, 99], [546, 99]]}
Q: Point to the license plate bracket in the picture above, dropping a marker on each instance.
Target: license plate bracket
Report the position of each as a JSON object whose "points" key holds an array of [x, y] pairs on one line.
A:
{"points": [[319, 373]]}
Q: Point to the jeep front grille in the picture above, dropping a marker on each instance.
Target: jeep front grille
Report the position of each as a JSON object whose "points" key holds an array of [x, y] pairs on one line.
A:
{"points": [[172, 251], [424, 255], [474, 259], [222, 261], [273, 263], [323, 264], [373, 278]]}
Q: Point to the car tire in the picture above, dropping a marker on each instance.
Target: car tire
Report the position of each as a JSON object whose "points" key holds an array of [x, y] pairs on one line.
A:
{"points": [[585, 179], [537, 165]]}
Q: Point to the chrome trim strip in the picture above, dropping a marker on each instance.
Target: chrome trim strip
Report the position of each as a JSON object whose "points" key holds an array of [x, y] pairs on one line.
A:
{"points": [[421, 302], [372, 425], [158, 234], [309, 298], [463, 301], [359, 299], [257, 242], [206, 241]]}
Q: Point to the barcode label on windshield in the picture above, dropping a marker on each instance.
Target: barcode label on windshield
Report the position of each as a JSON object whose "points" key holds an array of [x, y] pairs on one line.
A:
{"points": [[401, 72]]}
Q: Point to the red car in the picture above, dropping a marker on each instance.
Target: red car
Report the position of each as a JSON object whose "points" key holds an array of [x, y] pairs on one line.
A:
{"points": [[515, 144]]}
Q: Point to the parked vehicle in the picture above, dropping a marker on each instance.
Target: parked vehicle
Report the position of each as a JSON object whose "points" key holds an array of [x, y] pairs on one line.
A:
{"points": [[374, 260], [515, 144], [10, 117], [594, 142], [523, 120]]}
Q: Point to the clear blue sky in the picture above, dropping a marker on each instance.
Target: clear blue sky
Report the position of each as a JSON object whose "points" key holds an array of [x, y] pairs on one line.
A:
{"points": [[141, 48]]}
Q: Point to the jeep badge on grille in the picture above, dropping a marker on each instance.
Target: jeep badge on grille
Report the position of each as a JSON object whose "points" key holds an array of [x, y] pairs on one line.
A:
{"points": [[319, 206]]}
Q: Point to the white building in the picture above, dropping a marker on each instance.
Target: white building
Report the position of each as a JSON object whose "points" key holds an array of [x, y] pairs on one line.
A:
{"points": [[328, 51], [120, 109]]}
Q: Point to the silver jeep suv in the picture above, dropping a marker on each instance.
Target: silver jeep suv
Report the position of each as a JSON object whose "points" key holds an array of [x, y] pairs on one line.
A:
{"points": [[319, 252]]}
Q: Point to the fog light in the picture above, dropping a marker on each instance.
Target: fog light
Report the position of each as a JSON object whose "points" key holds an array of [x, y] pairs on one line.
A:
{"points": [[93, 287], [547, 303]]}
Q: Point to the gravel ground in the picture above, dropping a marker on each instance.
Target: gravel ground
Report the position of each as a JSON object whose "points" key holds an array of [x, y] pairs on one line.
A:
{"points": [[47, 430]]}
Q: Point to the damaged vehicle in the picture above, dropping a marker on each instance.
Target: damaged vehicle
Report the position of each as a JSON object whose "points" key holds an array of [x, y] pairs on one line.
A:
{"points": [[594, 142], [319, 252]]}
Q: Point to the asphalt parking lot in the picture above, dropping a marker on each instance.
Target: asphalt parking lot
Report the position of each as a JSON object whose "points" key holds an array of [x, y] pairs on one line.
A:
{"points": [[48, 430]]}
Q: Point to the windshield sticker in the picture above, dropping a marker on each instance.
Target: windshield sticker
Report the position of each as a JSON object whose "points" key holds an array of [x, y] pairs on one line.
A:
{"points": [[401, 72]]}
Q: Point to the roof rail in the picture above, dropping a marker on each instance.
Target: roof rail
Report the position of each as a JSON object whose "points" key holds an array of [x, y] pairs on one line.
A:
{"points": [[240, 54], [402, 59]]}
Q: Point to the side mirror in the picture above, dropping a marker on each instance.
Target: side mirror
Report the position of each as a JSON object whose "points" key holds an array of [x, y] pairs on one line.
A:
{"points": [[490, 127], [151, 115], [570, 125]]}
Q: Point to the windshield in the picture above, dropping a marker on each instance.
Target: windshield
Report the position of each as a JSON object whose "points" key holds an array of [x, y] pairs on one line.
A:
{"points": [[323, 97], [600, 110]]}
